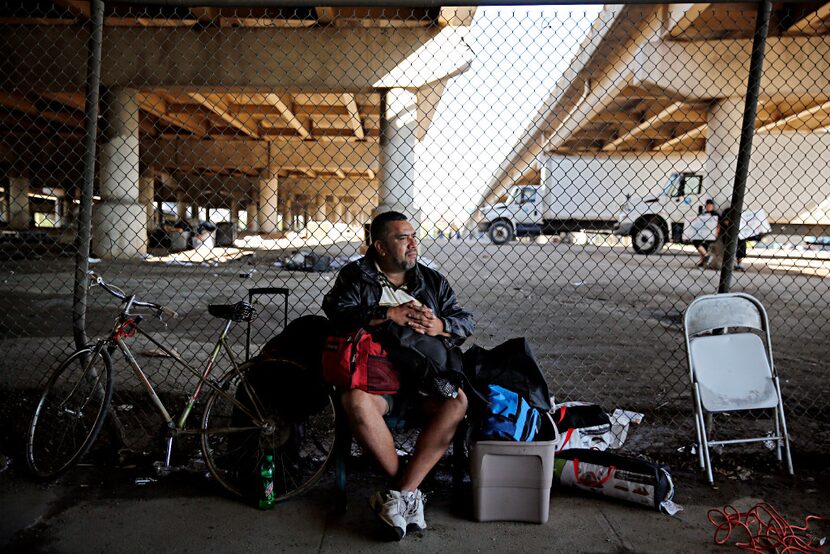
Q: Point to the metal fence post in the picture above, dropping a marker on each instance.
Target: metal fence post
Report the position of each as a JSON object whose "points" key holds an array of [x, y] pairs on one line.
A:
{"points": [[756, 67], [93, 81]]}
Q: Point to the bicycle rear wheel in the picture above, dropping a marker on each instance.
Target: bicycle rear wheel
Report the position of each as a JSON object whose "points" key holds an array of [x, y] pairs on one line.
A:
{"points": [[70, 413], [247, 421]]}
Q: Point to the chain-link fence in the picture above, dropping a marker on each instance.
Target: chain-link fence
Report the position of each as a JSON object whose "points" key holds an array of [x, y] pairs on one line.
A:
{"points": [[556, 161]]}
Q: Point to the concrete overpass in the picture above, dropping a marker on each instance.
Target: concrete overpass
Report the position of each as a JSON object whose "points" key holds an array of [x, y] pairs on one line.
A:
{"points": [[672, 79], [277, 111]]}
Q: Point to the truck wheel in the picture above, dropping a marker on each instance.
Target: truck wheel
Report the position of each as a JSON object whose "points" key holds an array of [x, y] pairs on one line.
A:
{"points": [[648, 240], [500, 232]]}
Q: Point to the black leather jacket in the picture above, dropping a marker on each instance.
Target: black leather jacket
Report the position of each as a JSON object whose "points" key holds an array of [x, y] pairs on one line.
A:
{"points": [[353, 300]]}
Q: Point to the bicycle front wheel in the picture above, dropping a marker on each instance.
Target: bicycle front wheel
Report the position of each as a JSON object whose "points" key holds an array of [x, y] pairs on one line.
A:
{"points": [[249, 420], [70, 413]]}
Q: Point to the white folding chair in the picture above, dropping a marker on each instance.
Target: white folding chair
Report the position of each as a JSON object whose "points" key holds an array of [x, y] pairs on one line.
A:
{"points": [[731, 369]]}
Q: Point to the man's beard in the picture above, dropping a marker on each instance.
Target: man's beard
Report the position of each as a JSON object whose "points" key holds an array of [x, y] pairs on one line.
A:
{"points": [[406, 265]]}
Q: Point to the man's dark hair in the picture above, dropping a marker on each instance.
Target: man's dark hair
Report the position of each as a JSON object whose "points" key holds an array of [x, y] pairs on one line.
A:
{"points": [[709, 201], [378, 228]]}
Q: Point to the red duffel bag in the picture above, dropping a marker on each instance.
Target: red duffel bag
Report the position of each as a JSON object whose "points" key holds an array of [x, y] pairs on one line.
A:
{"points": [[357, 361]]}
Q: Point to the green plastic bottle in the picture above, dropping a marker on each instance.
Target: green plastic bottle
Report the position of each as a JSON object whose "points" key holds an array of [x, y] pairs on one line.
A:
{"points": [[267, 500]]}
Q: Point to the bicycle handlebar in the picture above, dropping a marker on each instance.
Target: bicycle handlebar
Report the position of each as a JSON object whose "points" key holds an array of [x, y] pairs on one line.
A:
{"points": [[121, 295]]}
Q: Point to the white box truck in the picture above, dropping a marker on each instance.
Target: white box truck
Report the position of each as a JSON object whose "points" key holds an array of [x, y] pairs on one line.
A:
{"points": [[653, 196], [577, 193], [676, 214]]}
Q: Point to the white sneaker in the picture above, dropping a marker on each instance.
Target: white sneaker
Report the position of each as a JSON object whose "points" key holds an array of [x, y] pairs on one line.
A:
{"points": [[389, 507], [414, 513]]}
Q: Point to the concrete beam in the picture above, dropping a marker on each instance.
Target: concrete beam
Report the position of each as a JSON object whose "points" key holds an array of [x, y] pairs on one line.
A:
{"points": [[264, 59], [286, 113], [676, 142], [649, 124], [602, 95], [811, 119], [22, 104], [253, 156], [158, 106], [793, 66], [682, 17], [218, 105], [812, 23], [364, 189], [355, 122]]}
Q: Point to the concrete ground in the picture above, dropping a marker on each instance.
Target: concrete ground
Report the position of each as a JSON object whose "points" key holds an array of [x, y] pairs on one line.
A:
{"points": [[97, 510]]}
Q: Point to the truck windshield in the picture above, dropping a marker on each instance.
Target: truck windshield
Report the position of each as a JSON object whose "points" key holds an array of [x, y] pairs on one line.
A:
{"points": [[675, 185], [529, 194], [684, 184]]}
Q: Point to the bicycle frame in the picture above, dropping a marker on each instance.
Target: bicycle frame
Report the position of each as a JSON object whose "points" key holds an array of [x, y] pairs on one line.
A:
{"points": [[127, 325]]}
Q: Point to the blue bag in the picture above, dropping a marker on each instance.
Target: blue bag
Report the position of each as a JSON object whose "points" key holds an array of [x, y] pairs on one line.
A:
{"points": [[509, 417]]}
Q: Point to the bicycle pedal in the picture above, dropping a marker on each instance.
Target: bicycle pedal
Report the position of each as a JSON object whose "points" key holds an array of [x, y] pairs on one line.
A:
{"points": [[162, 469]]}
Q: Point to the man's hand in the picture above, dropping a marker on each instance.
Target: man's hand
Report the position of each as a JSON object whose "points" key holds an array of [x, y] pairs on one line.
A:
{"points": [[400, 315], [422, 320]]}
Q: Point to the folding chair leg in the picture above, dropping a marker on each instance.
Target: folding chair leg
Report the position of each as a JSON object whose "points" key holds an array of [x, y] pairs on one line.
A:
{"points": [[706, 456], [778, 433], [704, 437], [697, 430], [785, 434]]}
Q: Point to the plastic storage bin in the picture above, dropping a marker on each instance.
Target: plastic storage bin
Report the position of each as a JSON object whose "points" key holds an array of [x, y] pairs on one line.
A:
{"points": [[511, 480]]}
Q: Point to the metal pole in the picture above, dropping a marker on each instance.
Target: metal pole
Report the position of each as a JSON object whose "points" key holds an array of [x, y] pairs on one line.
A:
{"points": [[93, 81], [756, 67]]}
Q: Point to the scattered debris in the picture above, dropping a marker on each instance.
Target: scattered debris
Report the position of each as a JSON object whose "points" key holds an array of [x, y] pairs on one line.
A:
{"points": [[621, 420], [141, 481]]}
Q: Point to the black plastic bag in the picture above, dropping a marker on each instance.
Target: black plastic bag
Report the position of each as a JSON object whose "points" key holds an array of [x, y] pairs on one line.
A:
{"points": [[512, 366]]}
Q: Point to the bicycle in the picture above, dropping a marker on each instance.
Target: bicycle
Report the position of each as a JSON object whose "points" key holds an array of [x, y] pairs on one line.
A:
{"points": [[239, 425]]}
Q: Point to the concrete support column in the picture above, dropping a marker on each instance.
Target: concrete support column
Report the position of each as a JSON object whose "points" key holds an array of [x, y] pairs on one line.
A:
{"points": [[331, 208], [146, 194], [234, 209], [319, 208], [340, 210], [724, 137], [288, 218], [60, 207], [349, 205], [252, 216], [398, 123], [269, 188], [119, 222], [19, 216], [306, 212], [283, 214], [181, 205]]}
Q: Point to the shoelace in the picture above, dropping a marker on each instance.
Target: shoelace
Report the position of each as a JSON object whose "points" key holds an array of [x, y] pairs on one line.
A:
{"points": [[411, 502], [401, 502]]}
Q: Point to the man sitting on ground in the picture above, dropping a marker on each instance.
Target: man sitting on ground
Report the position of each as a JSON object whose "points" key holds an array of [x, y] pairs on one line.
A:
{"points": [[389, 285]]}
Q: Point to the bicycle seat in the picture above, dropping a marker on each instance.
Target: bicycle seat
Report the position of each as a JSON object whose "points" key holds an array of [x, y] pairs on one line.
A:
{"points": [[241, 311]]}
